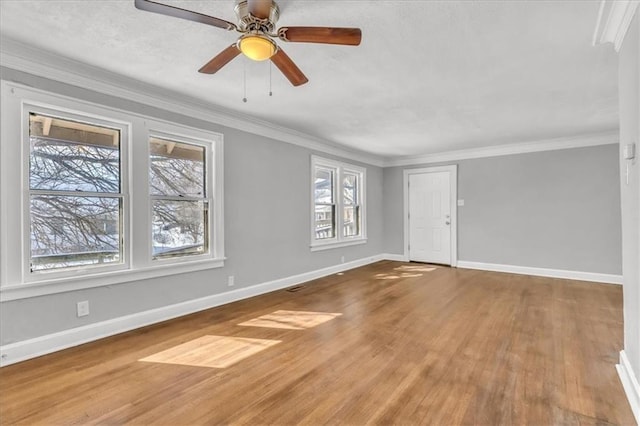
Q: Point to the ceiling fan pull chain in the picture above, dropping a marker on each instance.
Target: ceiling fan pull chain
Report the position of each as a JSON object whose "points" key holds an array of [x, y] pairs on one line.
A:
{"points": [[270, 67], [244, 78]]}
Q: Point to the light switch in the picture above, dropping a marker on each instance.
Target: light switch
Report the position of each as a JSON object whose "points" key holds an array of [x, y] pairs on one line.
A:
{"points": [[460, 203]]}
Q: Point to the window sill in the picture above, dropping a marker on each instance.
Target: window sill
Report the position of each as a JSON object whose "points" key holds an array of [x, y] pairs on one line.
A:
{"points": [[61, 285], [338, 244]]}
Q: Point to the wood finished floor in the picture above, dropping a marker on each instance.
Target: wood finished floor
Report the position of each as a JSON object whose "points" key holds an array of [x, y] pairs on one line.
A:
{"points": [[414, 345]]}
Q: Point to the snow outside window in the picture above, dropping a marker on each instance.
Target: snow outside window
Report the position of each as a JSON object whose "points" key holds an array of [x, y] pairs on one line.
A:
{"points": [[179, 205]]}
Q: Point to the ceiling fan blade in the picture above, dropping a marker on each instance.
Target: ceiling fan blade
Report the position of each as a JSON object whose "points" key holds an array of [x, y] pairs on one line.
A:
{"points": [[345, 36], [220, 60], [288, 68], [260, 8], [176, 12]]}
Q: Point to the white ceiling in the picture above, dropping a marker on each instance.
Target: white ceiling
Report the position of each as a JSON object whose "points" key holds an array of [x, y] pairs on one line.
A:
{"points": [[429, 76]]}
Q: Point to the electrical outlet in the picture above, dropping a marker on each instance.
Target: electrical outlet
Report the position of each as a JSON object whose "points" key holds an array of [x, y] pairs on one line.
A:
{"points": [[83, 308], [231, 281]]}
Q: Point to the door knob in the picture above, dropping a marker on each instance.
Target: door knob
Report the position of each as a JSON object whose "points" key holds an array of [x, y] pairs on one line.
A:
{"points": [[448, 223]]}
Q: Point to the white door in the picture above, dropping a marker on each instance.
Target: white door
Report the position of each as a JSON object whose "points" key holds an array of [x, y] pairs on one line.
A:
{"points": [[430, 217]]}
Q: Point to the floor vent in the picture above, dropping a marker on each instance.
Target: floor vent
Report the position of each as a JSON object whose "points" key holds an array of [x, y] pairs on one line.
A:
{"points": [[295, 289]]}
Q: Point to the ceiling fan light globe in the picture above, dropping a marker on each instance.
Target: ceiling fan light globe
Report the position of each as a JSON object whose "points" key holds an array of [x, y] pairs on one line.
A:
{"points": [[256, 47]]}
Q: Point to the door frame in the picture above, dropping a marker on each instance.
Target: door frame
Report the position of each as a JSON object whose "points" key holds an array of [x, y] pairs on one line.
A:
{"points": [[453, 182]]}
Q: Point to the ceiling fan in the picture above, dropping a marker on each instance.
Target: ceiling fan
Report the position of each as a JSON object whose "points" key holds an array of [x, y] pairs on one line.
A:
{"points": [[256, 23]]}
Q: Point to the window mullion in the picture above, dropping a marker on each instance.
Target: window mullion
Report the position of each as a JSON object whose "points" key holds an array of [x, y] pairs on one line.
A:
{"points": [[58, 193], [178, 198]]}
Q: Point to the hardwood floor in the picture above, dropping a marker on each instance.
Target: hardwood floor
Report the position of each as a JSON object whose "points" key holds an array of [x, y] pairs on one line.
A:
{"points": [[414, 345]]}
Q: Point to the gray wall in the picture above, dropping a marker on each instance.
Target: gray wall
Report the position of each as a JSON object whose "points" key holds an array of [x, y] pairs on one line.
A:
{"points": [[260, 173], [554, 209], [629, 87]]}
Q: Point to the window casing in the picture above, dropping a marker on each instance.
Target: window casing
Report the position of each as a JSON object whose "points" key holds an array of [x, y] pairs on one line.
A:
{"points": [[338, 204], [91, 173]]}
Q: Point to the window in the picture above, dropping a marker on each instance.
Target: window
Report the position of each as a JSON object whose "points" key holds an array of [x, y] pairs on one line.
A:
{"points": [[351, 204], [178, 189], [325, 206], [76, 215], [75, 197], [338, 204]]}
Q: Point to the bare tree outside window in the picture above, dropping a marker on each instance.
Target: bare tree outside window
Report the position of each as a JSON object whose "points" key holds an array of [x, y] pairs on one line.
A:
{"points": [[180, 210], [75, 199]]}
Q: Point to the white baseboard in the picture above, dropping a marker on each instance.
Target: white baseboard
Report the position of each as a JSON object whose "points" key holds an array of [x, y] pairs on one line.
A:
{"points": [[543, 272], [395, 257], [630, 384], [27, 349]]}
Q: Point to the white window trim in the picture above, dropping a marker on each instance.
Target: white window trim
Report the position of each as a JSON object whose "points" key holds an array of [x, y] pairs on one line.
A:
{"points": [[16, 282], [170, 132], [339, 240]]}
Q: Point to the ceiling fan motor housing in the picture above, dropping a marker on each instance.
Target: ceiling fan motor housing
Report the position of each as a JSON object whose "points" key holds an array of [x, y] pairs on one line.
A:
{"points": [[249, 23]]}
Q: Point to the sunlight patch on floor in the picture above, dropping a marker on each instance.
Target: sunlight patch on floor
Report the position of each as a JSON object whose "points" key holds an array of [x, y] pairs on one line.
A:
{"points": [[415, 268], [211, 351], [291, 320], [405, 271], [390, 276]]}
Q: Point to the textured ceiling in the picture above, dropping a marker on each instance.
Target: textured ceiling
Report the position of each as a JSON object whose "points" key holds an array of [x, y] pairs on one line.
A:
{"points": [[429, 76]]}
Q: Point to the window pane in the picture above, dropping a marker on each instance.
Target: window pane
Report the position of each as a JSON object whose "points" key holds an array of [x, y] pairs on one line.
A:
{"points": [[74, 231], [176, 168], [325, 223], [70, 156], [350, 188], [179, 228], [351, 221], [324, 186]]}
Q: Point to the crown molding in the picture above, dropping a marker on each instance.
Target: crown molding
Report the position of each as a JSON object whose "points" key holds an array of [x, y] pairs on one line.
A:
{"points": [[31, 60], [614, 19], [580, 141]]}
